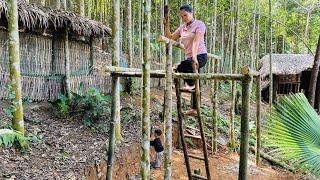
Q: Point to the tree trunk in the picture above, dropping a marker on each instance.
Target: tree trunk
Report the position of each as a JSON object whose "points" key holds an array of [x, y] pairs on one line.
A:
{"points": [[232, 142], [145, 117], [245, 113], [130, 44], [115, 131], [14, 65], [258, 41], [43, 2], [270, 59], [58, 4], [89, 9], [214, 87], [80, 7], [253, 36], [307, 25], [64, 5], [314, 75], [168, 115]]}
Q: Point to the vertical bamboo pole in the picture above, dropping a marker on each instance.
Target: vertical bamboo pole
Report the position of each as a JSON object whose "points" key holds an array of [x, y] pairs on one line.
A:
{"points": [[115, 111], [245, 113], [233, 86], [130, 43], [145, 143], [168, 115], [258, 116], [258, 40], [67, 81], [222, 39], [64, 4], [253, 35], [14, 65], [214, 87], [270, 60]]}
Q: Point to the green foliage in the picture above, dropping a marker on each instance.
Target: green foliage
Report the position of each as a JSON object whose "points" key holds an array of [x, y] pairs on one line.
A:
{"points": [[63, 104], [10, 137], [91, 104], [11, 108], [294, 132]]}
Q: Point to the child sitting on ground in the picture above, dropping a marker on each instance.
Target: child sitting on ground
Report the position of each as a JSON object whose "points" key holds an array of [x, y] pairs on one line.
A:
{"points": [[156, 143]]}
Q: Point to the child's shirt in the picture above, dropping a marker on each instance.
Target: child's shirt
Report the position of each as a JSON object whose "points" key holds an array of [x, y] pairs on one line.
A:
{"points": [[156, 143]]}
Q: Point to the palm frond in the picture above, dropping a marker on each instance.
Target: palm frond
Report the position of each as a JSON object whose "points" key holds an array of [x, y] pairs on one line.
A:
{"points": [[9, 137], [294, 131]]}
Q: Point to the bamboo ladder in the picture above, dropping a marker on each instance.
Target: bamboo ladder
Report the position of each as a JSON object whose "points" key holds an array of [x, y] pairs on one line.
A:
{"points": [[182, 135]]}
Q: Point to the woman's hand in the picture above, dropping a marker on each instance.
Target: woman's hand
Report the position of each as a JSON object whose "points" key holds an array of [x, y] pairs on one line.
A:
{"points": [[195, 64]]}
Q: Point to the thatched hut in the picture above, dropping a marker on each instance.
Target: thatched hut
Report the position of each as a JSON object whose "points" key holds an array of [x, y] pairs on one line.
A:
{"points": [[42, 51], [291, 74]]}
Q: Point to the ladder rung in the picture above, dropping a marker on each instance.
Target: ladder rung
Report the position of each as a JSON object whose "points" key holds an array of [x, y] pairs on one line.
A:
{"points": [[192, 136], [196, 157], [198, 176], [187, 91]]}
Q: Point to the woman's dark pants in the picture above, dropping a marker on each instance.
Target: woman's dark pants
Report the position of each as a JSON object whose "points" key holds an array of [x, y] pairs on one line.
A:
{"points": [[186, 67]]}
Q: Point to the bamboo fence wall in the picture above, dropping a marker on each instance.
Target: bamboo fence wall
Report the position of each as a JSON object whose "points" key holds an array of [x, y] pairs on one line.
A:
{"points": [[43, 67]]}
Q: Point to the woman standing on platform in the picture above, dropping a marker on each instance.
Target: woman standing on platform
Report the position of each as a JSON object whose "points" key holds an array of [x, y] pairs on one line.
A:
{"points": [[192, 36]]}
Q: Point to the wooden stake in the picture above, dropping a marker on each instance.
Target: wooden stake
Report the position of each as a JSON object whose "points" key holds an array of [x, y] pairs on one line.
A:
{"points": [[245, 113]]}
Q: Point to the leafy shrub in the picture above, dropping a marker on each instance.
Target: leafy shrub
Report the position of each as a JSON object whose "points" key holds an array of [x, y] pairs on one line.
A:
{"points": [[91, 104], [10, 137]]}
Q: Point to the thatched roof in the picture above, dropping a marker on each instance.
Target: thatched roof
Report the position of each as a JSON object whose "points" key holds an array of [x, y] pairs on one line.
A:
{"points": [[34, 17], [285, 64]]}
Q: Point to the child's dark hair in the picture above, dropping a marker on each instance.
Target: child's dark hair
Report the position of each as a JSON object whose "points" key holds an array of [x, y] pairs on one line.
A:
{"points": [[158, 132], [186, 7]]}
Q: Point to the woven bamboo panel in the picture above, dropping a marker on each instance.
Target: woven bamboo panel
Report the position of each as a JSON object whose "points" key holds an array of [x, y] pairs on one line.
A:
{"points": [[34, 88], [103, 83]]}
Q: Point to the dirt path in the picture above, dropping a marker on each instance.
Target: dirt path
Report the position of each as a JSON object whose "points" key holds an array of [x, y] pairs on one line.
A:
{"points": [[223, 166]]}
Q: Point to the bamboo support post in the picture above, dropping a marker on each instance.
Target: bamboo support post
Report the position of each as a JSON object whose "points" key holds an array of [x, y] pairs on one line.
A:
{"points": [[145, 111], [115, 111], [214, 99], [168, 114], [245, 113]]}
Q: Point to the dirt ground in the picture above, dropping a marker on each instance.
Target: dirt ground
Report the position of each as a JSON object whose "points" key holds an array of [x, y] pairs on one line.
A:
{"points": [[63, 148], [224, 166]]}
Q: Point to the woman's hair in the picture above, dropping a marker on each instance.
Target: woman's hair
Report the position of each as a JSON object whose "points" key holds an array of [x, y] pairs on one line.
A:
{"points": [[186, 8]]}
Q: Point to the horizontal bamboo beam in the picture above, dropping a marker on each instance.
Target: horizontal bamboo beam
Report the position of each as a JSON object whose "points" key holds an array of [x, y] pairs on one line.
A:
{"points": [[138, 74], [113, 69], [207, 76], [179, 45]]}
